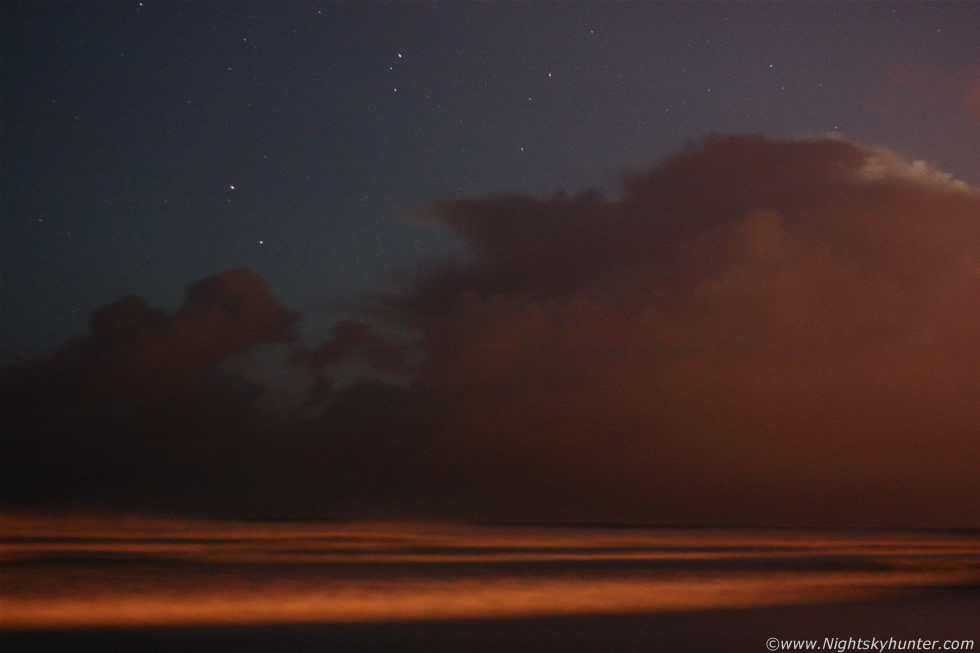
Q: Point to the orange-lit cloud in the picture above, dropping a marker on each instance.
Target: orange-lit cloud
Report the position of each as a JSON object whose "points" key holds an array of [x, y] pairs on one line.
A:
{"points": [[775, 330]]}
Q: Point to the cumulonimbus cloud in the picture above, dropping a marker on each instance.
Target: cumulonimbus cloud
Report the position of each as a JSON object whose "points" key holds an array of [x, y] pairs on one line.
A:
{"points": [[754, 331], [782, 330]]}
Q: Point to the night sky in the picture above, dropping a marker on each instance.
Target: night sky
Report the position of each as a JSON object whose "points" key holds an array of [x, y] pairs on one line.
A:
{"points": [[625, 262]]}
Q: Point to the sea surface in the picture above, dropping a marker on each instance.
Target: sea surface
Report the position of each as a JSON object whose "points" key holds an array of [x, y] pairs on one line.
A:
{"points": [[137, 584]]}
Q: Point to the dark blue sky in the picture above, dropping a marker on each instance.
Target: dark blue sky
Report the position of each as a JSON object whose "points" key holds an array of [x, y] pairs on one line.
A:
{"points": [[146, 145]]}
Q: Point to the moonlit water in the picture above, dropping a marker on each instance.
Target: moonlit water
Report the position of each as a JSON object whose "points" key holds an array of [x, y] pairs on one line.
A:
{"points": [[89, 573]]}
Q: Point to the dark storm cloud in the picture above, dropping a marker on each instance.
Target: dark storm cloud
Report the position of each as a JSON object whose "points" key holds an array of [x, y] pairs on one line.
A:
{"points": [[136, 351], [144, 415], [354, 339], [756, 329], [753, 332], [140, 415]]}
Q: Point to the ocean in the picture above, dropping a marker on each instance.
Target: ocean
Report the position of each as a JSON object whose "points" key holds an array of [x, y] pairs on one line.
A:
{"points": [[140, 584]]}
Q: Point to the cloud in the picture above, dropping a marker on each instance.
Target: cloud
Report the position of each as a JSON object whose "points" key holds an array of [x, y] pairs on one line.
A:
{"points": [[754, 331], [166, 412], [135, 351], [358, 340], [770, 329], [884, 164]]}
